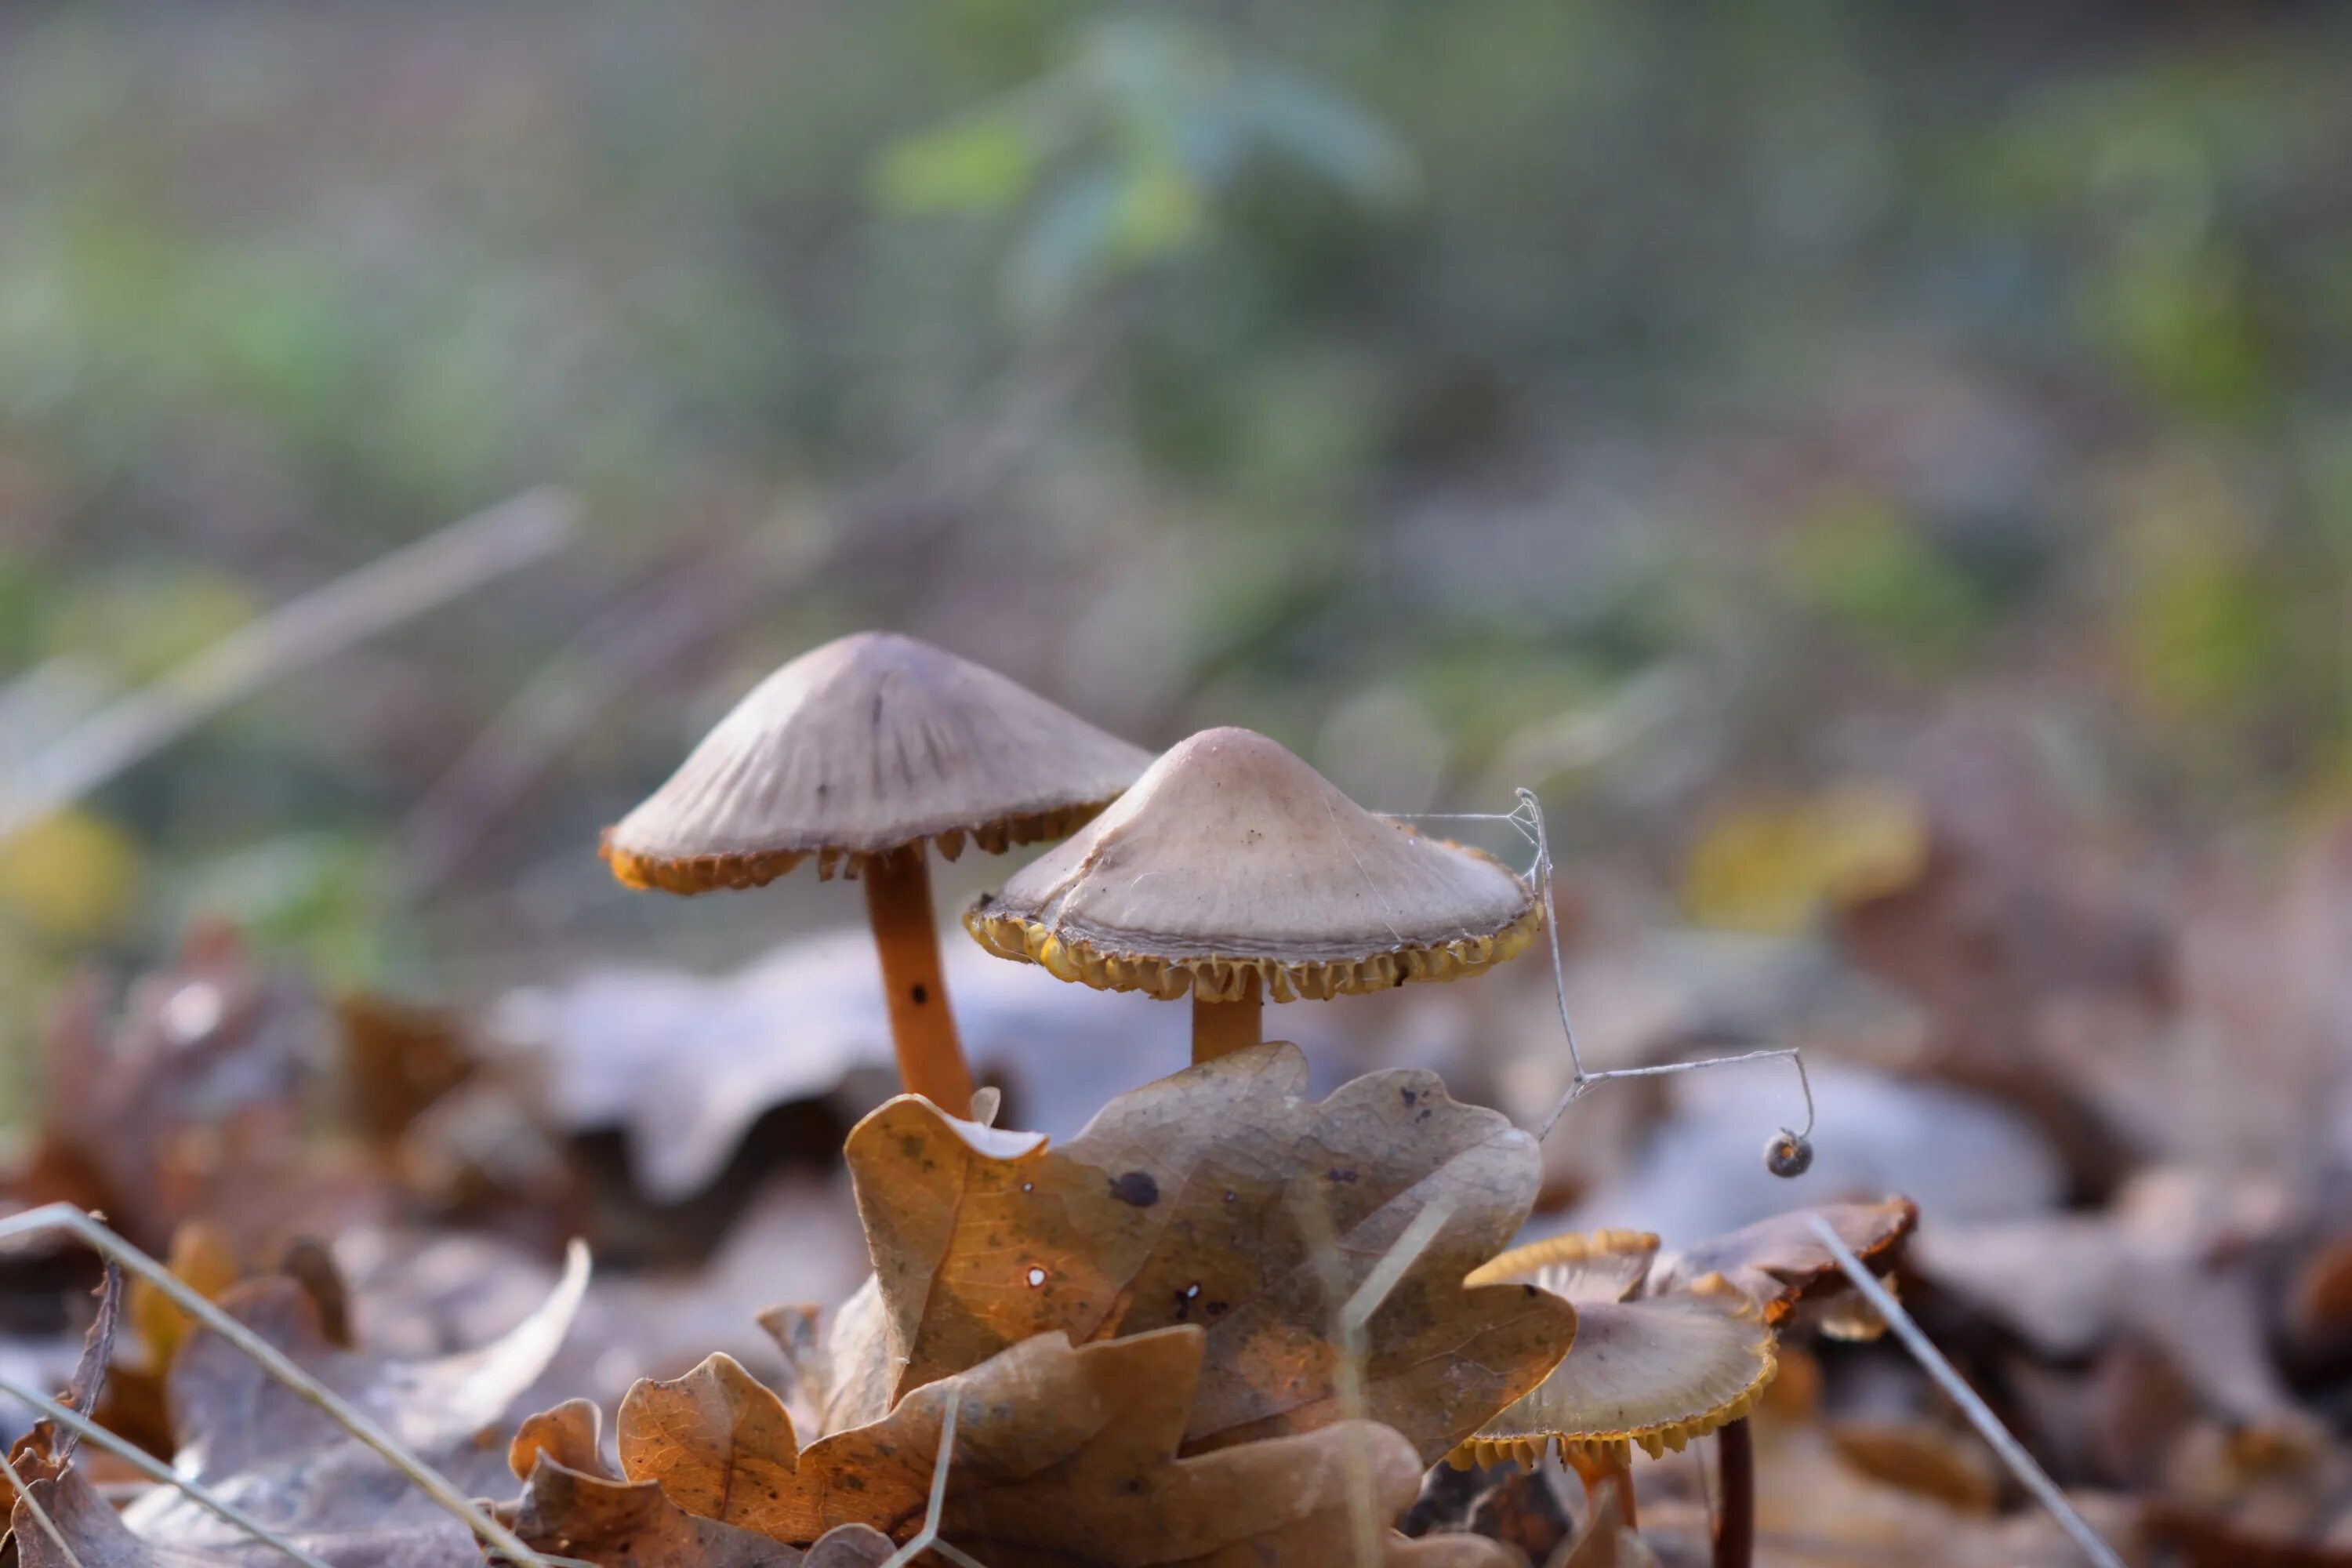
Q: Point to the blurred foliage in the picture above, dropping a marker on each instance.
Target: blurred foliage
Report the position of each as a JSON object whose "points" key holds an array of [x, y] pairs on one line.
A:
{"points": [[1472, 374]]}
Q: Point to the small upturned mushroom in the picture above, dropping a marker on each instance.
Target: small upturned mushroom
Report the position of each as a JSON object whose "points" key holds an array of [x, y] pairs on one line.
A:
{"points": [[862, 753], [1236, 872], [1652, 1371], [1669, 1349]]}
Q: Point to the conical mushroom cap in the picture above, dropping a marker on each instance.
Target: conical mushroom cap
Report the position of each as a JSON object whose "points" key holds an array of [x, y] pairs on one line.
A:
{"points": [[1232, 856], [863, 746]]}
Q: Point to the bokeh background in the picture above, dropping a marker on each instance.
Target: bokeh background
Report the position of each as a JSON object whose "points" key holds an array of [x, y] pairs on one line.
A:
{"points": [[1678, 409]]}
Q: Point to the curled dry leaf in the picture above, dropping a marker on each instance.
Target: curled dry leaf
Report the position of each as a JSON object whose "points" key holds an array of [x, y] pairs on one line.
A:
{"points": [[261, 1446], [571, 1506], [1779, 1263], [45, 1452], [1178, 1204], [1062, 1454]]}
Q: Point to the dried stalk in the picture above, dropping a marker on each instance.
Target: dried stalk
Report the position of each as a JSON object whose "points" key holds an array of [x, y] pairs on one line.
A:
{"points": [[73, 1222], [146, 1464], [1923, 1351]]}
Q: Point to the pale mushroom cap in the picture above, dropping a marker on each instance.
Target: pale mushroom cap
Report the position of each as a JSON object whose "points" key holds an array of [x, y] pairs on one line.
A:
{"points": [[860, 747], [1652, 1374], [1232, 856], [1656, 1371]]}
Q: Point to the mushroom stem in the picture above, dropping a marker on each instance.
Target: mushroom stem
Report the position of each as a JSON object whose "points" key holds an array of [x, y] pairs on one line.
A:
{"points": [[1734, 1532], [1598, 1471], [1625, 1514], [1221, 1028], [898, 904]]}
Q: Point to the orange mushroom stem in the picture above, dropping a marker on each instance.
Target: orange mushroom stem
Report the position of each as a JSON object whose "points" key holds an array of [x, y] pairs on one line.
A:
{"points": [[922, 1030], [1221, 1028], [1598, 1470]]}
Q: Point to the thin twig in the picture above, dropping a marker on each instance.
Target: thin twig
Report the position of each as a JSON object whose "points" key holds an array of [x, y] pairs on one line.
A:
{"points": [[275, 1361], [930, 1533], [381, 594], [1923, 1351], [146, 1464]]}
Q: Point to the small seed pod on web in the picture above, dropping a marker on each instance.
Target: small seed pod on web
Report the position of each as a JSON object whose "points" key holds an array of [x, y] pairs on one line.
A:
{"points": [[1788, 1154]]}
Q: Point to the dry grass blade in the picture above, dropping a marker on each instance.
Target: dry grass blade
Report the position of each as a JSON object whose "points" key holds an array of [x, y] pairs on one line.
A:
{"points": [[1923, 1351], [930, 1533], [1354, 1316], [383, 594], [146, 1464], [74, 1222]]}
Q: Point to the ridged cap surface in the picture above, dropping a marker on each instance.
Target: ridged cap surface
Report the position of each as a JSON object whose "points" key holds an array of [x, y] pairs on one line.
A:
{"points": [[1231, 857], [860, 747]]}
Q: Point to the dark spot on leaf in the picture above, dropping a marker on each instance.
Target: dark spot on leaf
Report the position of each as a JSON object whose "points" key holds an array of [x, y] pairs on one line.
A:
{"points": [[1408, 1095], [1136, 1187], [1338, 1176], [920, 993], [1216, 1308]]}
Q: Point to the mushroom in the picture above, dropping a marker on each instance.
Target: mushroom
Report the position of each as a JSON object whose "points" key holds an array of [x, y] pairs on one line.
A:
{"points": [[1671, 1349], [1236, 872], [862, 753], [1651, 1371]]}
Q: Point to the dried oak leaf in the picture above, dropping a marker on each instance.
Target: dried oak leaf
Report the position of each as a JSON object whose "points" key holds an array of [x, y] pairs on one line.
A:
{"points": [[1181, 1203], [1062, 1454], [573, 1507], [93, 1532], [258, 1445]]}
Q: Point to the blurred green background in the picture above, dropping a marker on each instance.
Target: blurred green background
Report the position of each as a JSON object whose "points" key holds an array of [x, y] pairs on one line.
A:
{"points": [[1672, 406]]}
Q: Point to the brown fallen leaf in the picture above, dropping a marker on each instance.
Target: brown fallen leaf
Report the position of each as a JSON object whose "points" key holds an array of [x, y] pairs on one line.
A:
{"points": [[93, 1532], [571, 1506], [717, 1440], [1176, 1206], [190, 1104], [261, 1446], [1060, 1454]]}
